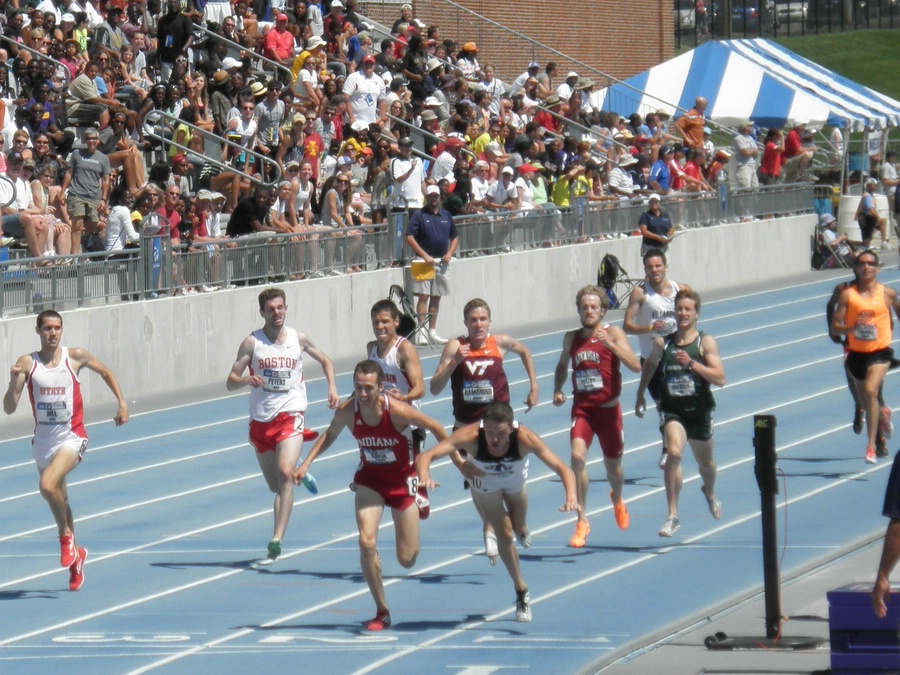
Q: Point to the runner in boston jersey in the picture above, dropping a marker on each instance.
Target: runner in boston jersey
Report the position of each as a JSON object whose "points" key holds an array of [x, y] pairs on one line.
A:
{"points": [[386, 476], [473, 364], [60, 441], [273, 358]]}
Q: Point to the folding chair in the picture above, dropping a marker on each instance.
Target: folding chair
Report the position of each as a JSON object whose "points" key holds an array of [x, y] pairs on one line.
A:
{"points": [[826, 256], [610, 275], [410, 323]]}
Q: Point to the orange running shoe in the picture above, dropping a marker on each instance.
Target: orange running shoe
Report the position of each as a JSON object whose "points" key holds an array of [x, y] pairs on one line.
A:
{"points": [[582, 529], [620, 511], [381, 621]]}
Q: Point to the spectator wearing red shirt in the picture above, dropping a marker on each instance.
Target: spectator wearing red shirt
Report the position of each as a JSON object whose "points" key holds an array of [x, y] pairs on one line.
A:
{"points": [[278, 44], [692, 173], [548, 121], [773, 157], [797, 156]]}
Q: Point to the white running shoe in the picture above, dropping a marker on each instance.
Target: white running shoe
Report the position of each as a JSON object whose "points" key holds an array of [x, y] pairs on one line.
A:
{"points": [[669, 527], [523, 607], [490, 547], [437, 338]]}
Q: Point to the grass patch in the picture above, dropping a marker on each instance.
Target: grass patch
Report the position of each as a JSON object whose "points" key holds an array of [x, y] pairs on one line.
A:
{"points": [[868, 57]]}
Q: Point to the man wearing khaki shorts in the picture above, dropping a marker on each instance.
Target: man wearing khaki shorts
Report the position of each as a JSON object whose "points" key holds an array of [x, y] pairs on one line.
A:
{"points": [[432, 235], [88, 188]]}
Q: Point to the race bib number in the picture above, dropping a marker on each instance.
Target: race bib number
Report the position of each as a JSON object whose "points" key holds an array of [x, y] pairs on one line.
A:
{"points": [[276, 380], [866, 332], [53, 412], [681, 385], [377, 456], [412, 482], [588, 380], [478, 392]]}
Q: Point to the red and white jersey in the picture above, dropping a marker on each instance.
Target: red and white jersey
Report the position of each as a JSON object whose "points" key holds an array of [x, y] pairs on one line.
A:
{"points": [[394, 376], [55, 395], [596, 374], [382, 447], [281, 368]]}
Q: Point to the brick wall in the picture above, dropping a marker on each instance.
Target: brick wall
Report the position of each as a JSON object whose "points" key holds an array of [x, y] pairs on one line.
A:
{"points": [[618, 37]]}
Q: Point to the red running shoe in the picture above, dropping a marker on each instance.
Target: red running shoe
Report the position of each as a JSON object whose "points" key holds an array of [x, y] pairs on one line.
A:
{"points": [[381, 621], [76, 571], [67, 552]]}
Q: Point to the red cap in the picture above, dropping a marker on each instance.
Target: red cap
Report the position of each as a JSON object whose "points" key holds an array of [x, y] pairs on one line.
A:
{"points": [[454, 142], [526, 169], [178, 159], [281, 17], [368, 58]]}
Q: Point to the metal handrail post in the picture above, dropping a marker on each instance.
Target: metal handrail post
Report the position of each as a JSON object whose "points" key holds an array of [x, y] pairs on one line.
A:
{"points": [[219, 139], [40, 55], [253, 54]]}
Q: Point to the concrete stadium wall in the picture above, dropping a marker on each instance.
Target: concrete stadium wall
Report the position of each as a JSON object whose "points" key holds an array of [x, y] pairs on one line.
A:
{"points": [[156, 346]]}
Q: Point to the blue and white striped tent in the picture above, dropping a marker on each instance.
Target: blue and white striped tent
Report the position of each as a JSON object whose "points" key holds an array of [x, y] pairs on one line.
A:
{"points": [[752, 79]]}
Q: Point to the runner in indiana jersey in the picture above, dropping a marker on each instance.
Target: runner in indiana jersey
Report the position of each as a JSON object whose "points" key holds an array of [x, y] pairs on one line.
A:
{"points": [[386, 475]]}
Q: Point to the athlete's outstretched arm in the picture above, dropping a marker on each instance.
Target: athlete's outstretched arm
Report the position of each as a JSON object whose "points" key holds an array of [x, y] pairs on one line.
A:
{"points": [[327, 368], [561, 374], [451, 357], [510, 344], [236, 378], [710, 368], [338, 423], [534, 444], [84, 359]]}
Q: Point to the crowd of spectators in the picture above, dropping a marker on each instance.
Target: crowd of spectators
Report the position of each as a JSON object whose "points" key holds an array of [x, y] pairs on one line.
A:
{"points": [[120, 106]]}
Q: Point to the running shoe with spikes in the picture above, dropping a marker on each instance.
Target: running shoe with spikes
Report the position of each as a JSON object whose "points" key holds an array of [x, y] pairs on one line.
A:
{"points": [[490, 547], [381, 621], [68, 554], [715, 506], [273, 550], [620, 511], [76, 571], [669, 527], [870, 456], [524, 539], [582, 529], [523, 606]]}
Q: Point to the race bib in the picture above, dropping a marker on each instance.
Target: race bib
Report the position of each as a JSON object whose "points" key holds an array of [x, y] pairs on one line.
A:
{"points": [[377, 456], [276, 380], [681, 385], [866, 332], [478, 392], [52, 412], [588, 380]]}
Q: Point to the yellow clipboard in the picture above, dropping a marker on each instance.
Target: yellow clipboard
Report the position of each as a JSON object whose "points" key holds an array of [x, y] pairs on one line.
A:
{"points": [[421, 270]]}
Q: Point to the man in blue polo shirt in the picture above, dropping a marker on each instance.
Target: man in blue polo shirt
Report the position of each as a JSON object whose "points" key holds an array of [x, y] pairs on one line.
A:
{"points": [[432, 235]]}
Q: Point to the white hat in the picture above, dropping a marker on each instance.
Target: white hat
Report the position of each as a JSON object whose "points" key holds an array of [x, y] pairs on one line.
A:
{"points": [[204, 195], [432, 190], [826, 219], [217, 196], [626, 160], [337, 3], [654, 196], [315, 41], [67, 17], [572, 73], [230, 62], [431, 101], [359, 125], [508, 170]]}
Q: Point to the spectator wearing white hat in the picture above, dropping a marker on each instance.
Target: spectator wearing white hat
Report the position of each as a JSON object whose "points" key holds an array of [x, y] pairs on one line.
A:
{"points": [[565, 90]]}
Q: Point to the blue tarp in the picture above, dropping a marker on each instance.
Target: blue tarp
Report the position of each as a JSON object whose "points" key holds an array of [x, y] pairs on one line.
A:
{"points": [[752, 79]]}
